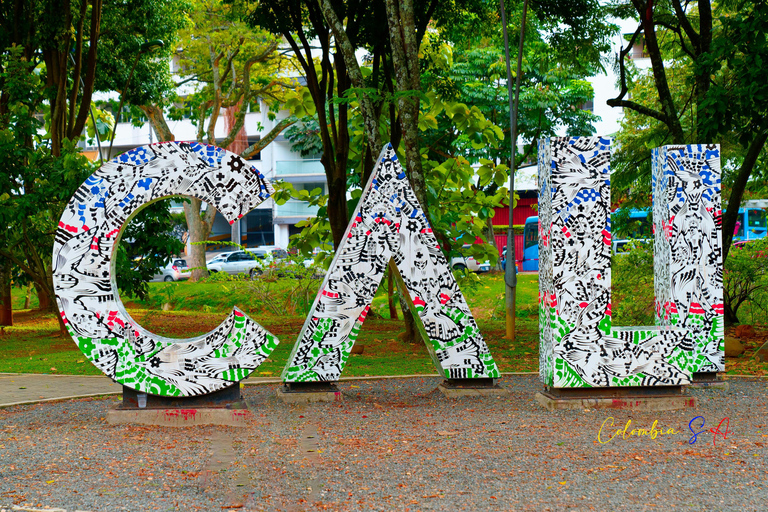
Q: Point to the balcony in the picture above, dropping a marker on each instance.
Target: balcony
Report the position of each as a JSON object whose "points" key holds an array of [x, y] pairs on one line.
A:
{"points": [[298, 167], [296, 209]]}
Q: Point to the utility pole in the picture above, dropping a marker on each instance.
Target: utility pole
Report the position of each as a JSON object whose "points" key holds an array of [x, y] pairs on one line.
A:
{"points": [[510, 275]]}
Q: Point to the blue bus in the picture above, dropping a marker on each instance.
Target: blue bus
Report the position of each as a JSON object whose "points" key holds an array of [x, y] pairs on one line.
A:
{"points": [[751, 223], [531, 245]]}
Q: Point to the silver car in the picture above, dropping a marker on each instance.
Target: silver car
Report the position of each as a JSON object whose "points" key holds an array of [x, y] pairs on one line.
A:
{"points": [[175, 270]]}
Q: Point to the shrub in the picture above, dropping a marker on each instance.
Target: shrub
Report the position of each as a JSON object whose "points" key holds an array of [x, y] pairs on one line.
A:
{"points": [[633, 297], [745, 278]]}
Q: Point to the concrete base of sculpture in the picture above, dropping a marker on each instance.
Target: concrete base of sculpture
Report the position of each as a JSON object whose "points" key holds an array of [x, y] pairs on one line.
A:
{"points": [[179, 417], [223, 407], [666, 398], [458, 388], [702, 380], [309, 392]]}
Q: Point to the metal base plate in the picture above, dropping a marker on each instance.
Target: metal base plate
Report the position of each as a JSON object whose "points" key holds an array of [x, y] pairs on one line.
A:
{"points": [[227, 398]]}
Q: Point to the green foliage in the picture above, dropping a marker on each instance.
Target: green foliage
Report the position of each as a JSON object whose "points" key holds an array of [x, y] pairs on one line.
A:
{"points": [[738, 98], [36, 185], [125, 27], [231, 65], [745, 279], [305, 137], [633, 296], [147, 244]]}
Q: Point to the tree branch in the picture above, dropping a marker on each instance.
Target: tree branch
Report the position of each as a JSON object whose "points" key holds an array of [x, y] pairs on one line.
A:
{"points": [[253, 149]]}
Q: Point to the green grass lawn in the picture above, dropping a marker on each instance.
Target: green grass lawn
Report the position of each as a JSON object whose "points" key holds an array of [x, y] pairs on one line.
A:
{"points": [[34, 345]]}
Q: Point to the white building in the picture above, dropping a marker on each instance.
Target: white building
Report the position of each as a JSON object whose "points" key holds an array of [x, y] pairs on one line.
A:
{"points": [[269, 223]]}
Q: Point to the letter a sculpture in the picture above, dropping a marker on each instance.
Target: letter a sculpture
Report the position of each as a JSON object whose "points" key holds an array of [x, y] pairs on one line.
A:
{"points": [[579, 347], [84, 266], [389, 223]]}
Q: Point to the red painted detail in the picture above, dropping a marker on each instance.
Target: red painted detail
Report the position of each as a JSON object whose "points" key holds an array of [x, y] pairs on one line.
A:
{"points": [[364, 313], [583, 304], [238, 313], [231, 222], [418, 301], [188, 413], [718, 308], [608, 309], [444, 298], [696, 308], [331, 295]]}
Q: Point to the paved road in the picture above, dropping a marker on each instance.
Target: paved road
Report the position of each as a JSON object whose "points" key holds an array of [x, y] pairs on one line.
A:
{"points": [[393, 444], [17, 389]]}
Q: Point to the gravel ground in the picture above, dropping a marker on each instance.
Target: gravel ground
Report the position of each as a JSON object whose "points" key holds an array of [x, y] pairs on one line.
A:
{"points": [[391, 445]]}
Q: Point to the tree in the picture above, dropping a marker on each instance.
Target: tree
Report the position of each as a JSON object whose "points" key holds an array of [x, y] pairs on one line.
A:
{"points": [[58, 46], [721, 46], [38, 183], [231, 67], [327, 77]]}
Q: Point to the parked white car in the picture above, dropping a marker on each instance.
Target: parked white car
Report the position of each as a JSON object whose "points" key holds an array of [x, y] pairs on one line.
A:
{"points": [[238, 262], [220, 257], [250, 261], [175, 270], [469, 262]]}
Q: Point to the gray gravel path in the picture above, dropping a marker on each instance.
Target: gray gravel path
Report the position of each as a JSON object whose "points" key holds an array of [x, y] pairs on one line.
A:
{"points": [[390, 445]]}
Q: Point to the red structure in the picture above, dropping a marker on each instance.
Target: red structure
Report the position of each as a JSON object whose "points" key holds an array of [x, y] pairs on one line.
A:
{"points": [[523, 210]]}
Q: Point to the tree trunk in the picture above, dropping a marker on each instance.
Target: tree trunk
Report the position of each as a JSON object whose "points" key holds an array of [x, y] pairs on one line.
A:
{"points": [[411, 334], [158, 122], [390, 294], [737, 190], [199, 228], [44, 299], [659, 73], [28, 297], [6, 311]]}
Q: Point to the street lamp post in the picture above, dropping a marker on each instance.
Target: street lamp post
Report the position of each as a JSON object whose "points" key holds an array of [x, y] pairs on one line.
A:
{"points": [[149, 46], [510, 275]]}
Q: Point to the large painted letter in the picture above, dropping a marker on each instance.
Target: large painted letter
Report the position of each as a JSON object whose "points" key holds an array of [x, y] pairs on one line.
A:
{"points": [[579, 347], [389, 223], [83, 270], [689, 254]]}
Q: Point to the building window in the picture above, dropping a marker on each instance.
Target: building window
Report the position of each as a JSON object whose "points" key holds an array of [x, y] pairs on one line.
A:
{"points": [[253, 139], [638, 49]]}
